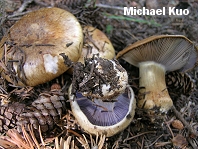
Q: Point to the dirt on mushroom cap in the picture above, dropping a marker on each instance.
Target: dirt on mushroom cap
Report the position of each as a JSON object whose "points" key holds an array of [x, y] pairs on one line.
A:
{"points": [[99, 78]]}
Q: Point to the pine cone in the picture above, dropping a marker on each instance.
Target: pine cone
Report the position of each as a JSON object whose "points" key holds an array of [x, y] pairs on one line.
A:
{"points": [[44, 112], [179, 83], [9, 115]]}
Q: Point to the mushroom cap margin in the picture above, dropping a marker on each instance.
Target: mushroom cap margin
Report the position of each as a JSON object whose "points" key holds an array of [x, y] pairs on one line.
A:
{"points": [[108, 131]]}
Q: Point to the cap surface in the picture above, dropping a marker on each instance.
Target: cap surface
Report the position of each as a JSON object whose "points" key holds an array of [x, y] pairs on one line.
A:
{"points": [[96, 42], [37, 40], [172, 51]]}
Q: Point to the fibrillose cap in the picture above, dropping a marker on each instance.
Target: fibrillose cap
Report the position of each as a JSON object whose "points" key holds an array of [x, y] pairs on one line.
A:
{"points": [[96, 42], [172, 51], [40, 37], [101, 45]]}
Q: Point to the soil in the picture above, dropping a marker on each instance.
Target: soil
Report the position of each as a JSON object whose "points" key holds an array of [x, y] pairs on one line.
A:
{"points": [[147, 130]]}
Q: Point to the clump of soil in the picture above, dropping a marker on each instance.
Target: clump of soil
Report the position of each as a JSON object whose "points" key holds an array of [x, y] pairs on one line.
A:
{"points": [[98, 78]]}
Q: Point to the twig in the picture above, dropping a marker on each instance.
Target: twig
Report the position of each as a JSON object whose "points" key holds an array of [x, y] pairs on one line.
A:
{"points": [[139, 135], [17, 14], [168, 125], [109, 7], [3, 90], [89, 77], [91, 40], [179, 116], [155, 141], [192, 144], [24, 5], [41, 3], [142, 144], [75, 133]]}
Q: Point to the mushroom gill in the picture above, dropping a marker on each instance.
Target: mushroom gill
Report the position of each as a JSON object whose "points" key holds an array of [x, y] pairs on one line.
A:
{"points": [[155, 56]]}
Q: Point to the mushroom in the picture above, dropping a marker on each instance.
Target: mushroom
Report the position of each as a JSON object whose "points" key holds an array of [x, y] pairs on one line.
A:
{"points": [[96, 42], [154, 56], [30, 50], [100, 98]]}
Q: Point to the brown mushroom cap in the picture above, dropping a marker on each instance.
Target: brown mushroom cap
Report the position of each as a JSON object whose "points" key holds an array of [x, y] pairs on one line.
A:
{"points": [[96, 42], [35, 42], [171, 51]]}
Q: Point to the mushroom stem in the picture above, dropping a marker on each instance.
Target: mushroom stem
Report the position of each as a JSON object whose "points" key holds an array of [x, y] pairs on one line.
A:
{"points": [[153, 91]]}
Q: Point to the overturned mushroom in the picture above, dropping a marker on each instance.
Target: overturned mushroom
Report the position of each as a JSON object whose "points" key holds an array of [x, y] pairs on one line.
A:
{"points": [[30, 50], [100, 98], [154, 56]]}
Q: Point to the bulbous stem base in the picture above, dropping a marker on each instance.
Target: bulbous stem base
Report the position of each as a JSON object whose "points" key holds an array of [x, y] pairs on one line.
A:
{"points": [[153, 91]]}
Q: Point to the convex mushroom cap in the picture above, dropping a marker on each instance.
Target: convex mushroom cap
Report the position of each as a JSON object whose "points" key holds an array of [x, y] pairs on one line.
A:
{"points": [[31, 48], [96, 42], [154, 56], [101, 101]]}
